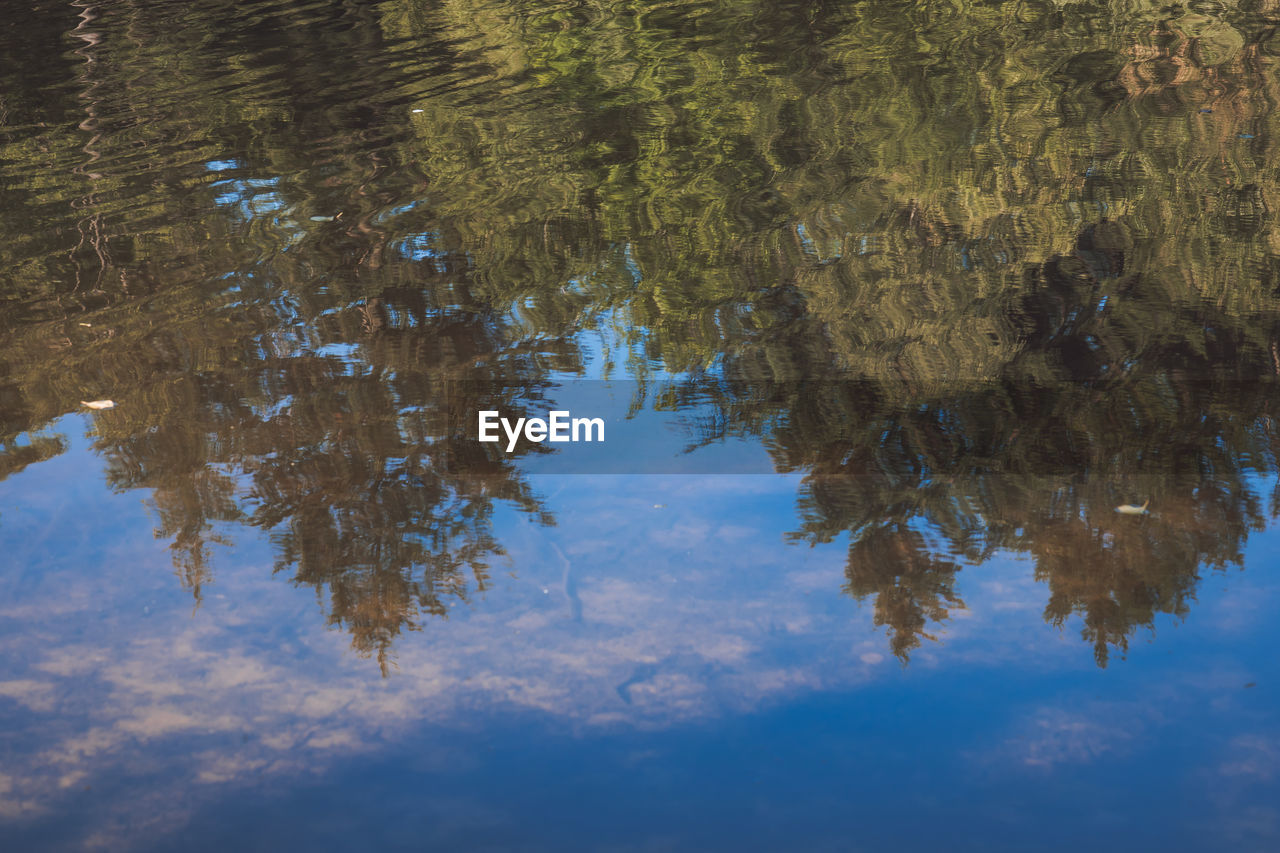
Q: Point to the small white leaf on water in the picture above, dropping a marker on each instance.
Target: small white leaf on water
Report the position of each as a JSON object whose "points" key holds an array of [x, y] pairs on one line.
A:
{"points": [[1130, 509], [98, 404], [417, 111], [322, 218]]}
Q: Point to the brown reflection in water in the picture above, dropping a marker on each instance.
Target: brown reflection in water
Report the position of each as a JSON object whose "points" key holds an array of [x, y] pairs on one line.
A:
{"points": [[1116, 572], [1093, 412], [346, 460], [1036, 250], [911, 585]]}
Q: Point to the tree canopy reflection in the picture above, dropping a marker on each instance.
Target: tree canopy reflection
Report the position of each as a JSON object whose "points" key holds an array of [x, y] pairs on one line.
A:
{"points": [[1094, 411], [981, 273]]}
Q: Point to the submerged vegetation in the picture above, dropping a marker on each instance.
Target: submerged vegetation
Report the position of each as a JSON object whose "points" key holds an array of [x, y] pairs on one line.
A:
{"points": [[981, 272]]}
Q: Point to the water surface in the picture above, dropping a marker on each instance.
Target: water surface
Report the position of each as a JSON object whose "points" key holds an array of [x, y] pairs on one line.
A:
{"points": [[888, 306]]}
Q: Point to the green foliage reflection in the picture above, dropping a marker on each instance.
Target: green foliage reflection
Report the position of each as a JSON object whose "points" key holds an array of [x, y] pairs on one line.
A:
{"points": [[1000, 267]]}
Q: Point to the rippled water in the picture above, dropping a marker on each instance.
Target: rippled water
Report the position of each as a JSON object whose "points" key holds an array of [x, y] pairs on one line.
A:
{"points": [[887, 307]]}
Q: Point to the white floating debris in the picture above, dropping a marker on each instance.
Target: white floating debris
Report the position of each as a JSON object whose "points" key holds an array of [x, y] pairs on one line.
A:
{"points": [[87, 325], [1130, 509], [417, 111], [323, 218], [98, 404]]}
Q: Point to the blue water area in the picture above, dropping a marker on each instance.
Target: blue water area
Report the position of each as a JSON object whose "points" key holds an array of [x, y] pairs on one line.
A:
{"points": [[661, 669]]}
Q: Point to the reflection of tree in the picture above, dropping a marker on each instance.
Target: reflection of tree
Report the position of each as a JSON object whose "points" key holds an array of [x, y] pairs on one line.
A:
{"points": [[15, 456], [347, 458], [250, 390], [923, 489], [911, 585], [1116, 572], [1148, 399], [1021, 238]]}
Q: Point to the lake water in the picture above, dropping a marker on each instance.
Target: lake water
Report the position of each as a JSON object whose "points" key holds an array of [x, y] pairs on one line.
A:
{"points": [[937, 349]]}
